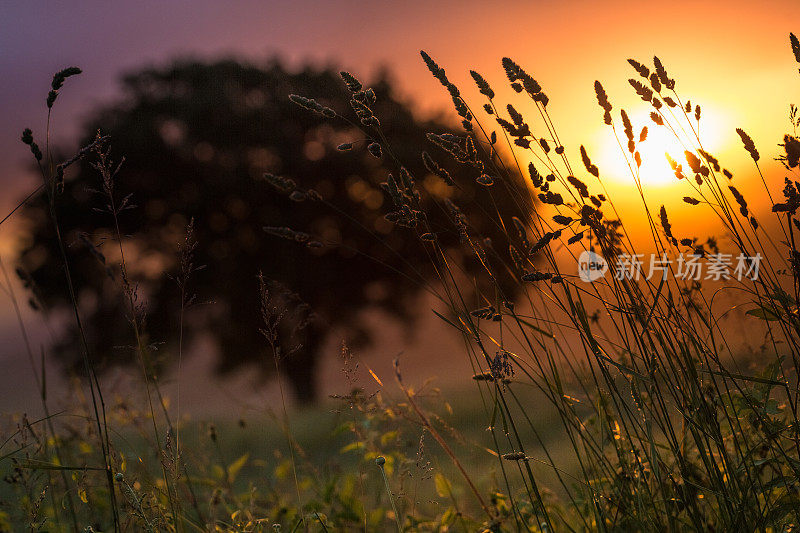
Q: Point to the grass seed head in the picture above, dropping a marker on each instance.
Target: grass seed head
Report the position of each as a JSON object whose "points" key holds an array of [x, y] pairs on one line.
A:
{"points": [[749, 145], [351, 81]]}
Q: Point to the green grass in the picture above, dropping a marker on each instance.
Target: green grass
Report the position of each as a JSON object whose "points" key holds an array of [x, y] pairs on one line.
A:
{"points": [[611, 406]]}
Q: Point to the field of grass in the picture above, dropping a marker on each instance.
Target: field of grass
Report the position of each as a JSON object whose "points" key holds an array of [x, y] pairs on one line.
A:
{"points": [[616, 405]]}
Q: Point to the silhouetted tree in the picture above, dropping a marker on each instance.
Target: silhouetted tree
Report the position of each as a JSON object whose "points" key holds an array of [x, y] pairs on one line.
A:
{"points": [[197, 139]]}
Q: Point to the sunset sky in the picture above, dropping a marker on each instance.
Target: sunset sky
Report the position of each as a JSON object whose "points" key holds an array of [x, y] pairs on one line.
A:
{"points": [[731, 57]]}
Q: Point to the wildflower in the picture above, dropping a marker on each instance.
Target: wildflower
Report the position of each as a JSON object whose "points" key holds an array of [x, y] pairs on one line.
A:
{"points": [[434, 168], [655, 83], [541, 243], [693, 160], [544, 145], [740, 200], [575, 238], [482, 84], [792, 147], [312, 105], [602, 99], [27, 138], [501, 367], [486, 313], [437, 71], [514, 114], [749, 145], [655, 117], [641, 69], [628, 127], [287, 233], [592, 169], [713, 161], [536, 276], [284, 185], [62, 75], [551, 198], [451, 144], [536, 178], [375, 149], [578, 184], [351, 81], [643, 91], [515, 73], [514, 456], [667, 226], [485, 180], [406, 179], [662, 74], [524, 143], [792, 200], [58, 82]]}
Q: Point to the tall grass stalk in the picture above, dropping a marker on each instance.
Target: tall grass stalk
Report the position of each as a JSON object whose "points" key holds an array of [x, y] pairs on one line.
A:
{"points": [[51, 176]]}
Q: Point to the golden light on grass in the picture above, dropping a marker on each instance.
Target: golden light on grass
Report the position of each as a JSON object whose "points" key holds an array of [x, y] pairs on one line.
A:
{"points": [[617, 164]]}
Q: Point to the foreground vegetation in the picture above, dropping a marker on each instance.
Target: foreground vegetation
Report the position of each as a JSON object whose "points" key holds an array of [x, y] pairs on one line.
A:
{"points": [[657, 427]]}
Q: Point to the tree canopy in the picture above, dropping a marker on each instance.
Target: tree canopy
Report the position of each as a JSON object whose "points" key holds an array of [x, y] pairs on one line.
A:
{"points": [[197, 139]]}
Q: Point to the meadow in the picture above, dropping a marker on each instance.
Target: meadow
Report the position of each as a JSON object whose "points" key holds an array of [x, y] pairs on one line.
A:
{"points": [[611, 400]]}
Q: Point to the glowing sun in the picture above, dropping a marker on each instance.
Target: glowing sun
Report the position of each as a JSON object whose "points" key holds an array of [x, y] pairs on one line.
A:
{"points": [[655, 170]]}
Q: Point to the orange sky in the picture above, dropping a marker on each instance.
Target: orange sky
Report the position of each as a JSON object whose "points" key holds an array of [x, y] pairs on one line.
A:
{"points": [[732, 57]]}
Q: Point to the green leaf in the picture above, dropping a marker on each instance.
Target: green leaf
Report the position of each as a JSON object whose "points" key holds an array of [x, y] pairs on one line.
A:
{"points": [[236, 466], [443, 488], [388, 437], [459, 328], [538, 330], [356, 445], [764, 314]]}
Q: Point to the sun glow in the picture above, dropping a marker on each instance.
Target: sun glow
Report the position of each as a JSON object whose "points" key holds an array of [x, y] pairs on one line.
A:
{"points": [[618, 163]]}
